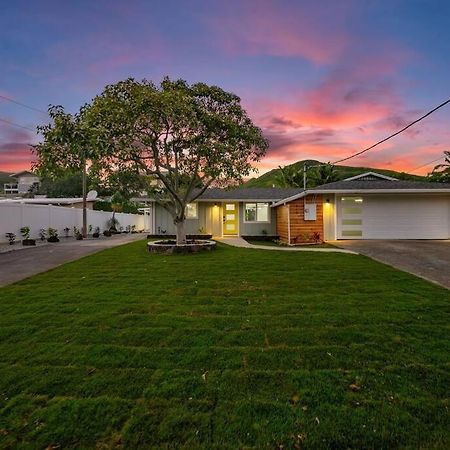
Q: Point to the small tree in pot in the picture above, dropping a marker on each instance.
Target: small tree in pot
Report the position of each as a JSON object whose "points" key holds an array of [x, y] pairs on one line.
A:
{"points": [[52, 235], [25, 232]]}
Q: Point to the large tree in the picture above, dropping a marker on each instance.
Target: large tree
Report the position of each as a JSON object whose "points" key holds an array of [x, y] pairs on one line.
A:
{"points": [[188, 137]]}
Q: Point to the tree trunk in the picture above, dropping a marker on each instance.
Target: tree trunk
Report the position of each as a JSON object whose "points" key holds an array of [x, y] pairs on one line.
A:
{"points": [[181, 232]]}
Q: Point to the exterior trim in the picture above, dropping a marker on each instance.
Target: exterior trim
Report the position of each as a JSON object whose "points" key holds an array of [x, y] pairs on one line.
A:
{"points": [[361, 191], [368, 174]]}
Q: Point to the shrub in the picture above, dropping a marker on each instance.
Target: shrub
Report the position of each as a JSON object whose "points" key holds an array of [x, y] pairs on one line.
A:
{"points": [[11, 238], [25, 232]]}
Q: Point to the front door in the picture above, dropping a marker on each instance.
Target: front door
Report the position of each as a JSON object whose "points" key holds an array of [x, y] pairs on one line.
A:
{"points": [[230, 219]]}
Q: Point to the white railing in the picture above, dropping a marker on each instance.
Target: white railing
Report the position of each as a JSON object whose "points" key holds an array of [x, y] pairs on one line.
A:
{"points": [[11, 188], [14, 216]]}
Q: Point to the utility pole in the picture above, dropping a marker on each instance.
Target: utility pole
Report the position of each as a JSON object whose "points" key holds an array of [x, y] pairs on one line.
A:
{"points": [[304, 176], [84, 229]]}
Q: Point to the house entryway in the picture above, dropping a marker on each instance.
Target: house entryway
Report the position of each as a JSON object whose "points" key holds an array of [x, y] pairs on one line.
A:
{"points": [[230, 219]]}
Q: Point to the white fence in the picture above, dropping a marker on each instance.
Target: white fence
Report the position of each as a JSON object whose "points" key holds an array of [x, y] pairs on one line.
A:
{"points": [[14, 216]]}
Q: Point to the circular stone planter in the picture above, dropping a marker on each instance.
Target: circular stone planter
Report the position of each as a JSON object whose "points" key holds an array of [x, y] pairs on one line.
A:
{"points": [[168, 247]]}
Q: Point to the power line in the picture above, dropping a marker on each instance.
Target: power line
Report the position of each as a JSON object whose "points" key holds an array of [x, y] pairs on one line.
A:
{"points": [[394, 134], [22, 104], [16, 124], [427, 164]]}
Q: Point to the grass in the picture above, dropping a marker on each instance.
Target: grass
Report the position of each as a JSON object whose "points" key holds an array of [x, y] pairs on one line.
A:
{"points": [[237, 348]]}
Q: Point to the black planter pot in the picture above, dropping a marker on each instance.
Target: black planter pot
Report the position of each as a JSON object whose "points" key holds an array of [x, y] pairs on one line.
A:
{"points": [[95, 235], [107, 233], [79, 237], [52, 239], [29, 242]]}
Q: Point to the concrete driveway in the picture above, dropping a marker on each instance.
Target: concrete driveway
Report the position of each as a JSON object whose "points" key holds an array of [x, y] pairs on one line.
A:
{"points": [[19, 264], [426, 259]]}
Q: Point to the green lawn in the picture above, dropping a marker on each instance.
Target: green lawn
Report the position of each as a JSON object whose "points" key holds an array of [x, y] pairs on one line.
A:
{"points": [[236, 348]]}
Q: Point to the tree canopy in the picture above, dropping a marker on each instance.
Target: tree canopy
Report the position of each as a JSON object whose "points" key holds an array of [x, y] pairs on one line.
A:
{"points": [[189, 137]]}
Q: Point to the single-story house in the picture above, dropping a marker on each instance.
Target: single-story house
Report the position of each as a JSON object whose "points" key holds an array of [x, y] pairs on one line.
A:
{"points": [[367, 206], [223, 212], [70, 202]]}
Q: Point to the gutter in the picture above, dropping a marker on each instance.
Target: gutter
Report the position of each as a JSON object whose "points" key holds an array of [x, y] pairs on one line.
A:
{"points": [[360, 191]]}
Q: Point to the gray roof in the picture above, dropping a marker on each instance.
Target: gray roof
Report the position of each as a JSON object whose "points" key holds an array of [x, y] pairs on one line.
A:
{"points": [[268, 194], [380, 184]]}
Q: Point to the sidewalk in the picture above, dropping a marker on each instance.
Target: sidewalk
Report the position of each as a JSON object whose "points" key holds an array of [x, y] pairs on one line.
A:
{"points": [[17, 265], [239, 242]]}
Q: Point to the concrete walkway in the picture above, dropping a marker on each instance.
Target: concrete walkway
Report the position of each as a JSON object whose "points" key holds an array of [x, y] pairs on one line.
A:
{"points": [[28, 261], [239, 242]]}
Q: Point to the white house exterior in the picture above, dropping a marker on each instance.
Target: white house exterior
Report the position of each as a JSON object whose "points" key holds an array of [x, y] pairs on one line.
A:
{"points": [[24, 181]]}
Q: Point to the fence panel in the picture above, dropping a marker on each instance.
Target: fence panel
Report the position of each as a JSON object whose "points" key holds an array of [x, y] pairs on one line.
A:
{"points": [[13, 216]]}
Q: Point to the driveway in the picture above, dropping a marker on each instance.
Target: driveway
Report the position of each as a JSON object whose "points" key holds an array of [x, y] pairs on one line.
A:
{"points": [[426, 259], [19, 264]]}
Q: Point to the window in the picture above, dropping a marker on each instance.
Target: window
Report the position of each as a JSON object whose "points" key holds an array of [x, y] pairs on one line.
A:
{"points": [[191, 211], [256, 212]]}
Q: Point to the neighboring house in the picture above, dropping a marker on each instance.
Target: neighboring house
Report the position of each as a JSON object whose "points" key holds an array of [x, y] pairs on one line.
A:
{"points": [[367, 206], [24, 181], [74, 202]]}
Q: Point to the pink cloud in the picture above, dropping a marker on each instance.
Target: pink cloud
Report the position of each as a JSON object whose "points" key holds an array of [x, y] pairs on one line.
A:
{"points": [[280, 29]]}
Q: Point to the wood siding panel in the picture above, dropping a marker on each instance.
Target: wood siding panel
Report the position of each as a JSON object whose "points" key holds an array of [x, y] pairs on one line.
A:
{"points": [[298, 225]]}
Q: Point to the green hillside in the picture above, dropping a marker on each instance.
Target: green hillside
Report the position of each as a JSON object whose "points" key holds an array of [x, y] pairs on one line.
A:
{"points": [[269, 179], [5, 178]]}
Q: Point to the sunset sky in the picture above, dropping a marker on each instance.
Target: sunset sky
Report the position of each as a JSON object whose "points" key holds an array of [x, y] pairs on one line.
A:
{"points": [[323, 79]]}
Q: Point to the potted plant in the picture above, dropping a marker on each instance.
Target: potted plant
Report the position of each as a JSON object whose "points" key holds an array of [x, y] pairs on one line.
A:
{"points": [[107, 233], [42, 234], [52, 235], [90, 228], [25, 232], [66, 232], [133, 229], [113, 223], [77, 234], [96, 232], [11, 238]]}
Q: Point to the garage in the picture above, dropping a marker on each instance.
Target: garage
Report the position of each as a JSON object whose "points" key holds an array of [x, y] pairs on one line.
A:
{"points": [[393, 216], [368, 206]]}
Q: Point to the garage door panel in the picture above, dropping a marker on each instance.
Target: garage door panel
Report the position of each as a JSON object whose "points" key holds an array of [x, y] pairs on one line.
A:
{"points": [[398, 217], [403, 217]]}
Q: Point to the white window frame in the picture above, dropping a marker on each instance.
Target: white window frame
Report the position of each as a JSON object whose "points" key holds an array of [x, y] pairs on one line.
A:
{"points": [[257, 221], [195, 204]]}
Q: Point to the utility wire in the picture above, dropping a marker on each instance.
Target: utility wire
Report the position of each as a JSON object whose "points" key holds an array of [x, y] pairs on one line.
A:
{"points": [[22, 104], [394, 134], [427, 164], [16, 124]]}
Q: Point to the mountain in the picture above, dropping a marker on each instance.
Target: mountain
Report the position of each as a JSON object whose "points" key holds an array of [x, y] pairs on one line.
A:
{"points": [[270, 178], [5, 178]]}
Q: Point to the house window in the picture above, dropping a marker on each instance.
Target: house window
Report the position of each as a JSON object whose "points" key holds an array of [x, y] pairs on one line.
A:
{"points": [[256, 212], [191, 211]]}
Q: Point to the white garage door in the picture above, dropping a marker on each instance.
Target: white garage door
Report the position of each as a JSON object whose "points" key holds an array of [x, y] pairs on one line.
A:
{"points": [[393, 217]]}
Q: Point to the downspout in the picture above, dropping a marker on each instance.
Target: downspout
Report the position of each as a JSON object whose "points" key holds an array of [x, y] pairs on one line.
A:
{"points": [[289, 223]]}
